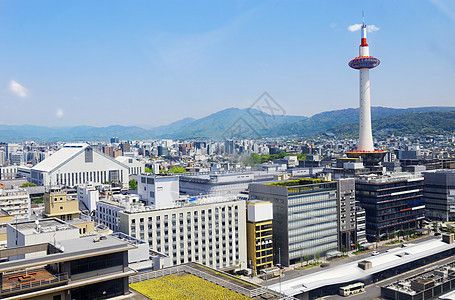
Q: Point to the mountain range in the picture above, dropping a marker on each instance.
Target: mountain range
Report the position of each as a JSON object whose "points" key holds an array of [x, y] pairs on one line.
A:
{"points": [[235, 122]]}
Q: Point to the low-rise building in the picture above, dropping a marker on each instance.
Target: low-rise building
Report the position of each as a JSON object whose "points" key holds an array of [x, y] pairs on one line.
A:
{"points": [[75, 268]]}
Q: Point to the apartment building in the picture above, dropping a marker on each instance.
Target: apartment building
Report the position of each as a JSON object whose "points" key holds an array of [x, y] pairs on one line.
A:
{"points": [[15, 202]]}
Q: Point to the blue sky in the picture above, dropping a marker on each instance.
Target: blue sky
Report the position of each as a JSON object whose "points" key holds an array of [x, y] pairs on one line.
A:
{"points": [[148, 63]]}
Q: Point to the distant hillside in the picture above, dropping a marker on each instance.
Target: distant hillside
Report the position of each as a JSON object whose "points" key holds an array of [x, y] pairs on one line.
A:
{"points": [[230, 122], [419, 123], [325, 121], [20, 133], [216, 125]]}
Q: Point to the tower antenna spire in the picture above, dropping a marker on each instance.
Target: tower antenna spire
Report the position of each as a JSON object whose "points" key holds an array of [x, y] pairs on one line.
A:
{"points": [[363, 18]]}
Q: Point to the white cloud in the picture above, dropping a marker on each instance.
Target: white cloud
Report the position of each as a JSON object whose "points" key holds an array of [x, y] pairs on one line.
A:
{"points": [[371, 28], [356, 27], [18, 89], [59, 113]]}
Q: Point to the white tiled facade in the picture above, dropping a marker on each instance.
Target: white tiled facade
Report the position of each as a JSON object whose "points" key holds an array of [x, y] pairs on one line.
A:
{"points": [[212, 234]]}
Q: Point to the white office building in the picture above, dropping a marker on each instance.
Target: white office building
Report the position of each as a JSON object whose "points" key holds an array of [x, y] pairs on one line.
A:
{"points": [[151, 187], [76, 164], [88, 195], [207, 230]]}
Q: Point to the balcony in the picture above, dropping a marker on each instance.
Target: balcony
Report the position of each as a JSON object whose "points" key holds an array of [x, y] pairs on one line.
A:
{"points": [[31, 279]]}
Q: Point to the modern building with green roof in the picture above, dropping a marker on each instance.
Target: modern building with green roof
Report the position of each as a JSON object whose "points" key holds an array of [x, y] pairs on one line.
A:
{"points": [[304, 217]]}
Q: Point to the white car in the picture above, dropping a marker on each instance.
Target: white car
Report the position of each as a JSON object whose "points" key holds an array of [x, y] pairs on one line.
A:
{"points": [[374, 253]]}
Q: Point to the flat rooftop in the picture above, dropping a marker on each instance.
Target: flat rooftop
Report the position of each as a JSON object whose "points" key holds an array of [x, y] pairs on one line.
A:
{"points": [[297, 182], [72, 249], [351, 272], [46, 225]]}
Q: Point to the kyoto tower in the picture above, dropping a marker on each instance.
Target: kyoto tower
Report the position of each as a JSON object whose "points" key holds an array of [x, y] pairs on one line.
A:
{"points": [[364, 62]]}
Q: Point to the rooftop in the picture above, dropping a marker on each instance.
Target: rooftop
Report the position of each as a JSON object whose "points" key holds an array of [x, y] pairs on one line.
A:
{"points": [[61, 156], [390, 177], [296, 182], [351, 272], [45, 225], [70, 249]]}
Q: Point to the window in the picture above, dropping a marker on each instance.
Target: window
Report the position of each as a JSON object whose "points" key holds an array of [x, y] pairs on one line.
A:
{"points": [[88, 155]]}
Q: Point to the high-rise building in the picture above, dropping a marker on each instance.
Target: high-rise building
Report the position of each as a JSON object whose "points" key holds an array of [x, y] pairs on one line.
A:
{"points": [[439, 195], [392, 203], [304, 217]]}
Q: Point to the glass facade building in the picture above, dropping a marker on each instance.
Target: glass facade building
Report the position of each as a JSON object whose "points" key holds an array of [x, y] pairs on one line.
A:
{"points": [[304, 217], [393, 203]]}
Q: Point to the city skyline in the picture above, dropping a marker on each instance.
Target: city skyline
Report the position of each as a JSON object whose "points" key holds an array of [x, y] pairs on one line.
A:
{"points": [[150, 64]]}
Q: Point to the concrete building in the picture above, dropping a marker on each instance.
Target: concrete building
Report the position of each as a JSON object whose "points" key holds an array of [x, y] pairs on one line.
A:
{"points": [[59, 205], [347, 236], [207, 230], [439, 195], [8, 172], [88, 195], [215, 183], [76, 164], [150, 187], [15, 202], [392, 202], [304, 217], [259, 235], [135, 167], [27, 233], [77, 268], [107, 209]]}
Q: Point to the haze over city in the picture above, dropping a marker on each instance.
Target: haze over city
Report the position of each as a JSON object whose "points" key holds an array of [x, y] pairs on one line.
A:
{"points": [[151, 63]]}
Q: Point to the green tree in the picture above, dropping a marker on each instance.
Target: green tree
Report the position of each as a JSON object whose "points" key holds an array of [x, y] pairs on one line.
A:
{"points": [[27, 184], [307, 259], [133, 184], [318, 256], [343, 249], [148, 170], [176, 170]]}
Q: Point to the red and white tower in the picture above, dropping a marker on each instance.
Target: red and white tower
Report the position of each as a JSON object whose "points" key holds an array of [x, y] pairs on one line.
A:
{"points": [[364, 62]]}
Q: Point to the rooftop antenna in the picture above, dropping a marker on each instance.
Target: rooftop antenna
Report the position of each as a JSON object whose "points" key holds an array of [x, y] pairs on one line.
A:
{"points": [[363, 18]]}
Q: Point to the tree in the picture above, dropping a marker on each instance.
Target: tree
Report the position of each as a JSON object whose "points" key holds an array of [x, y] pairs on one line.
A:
{"points": [[27, 184], [317, 256], [133, 184], [435, 226], [343, 249], [307, 259], [176, 170], [148, 170]]}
